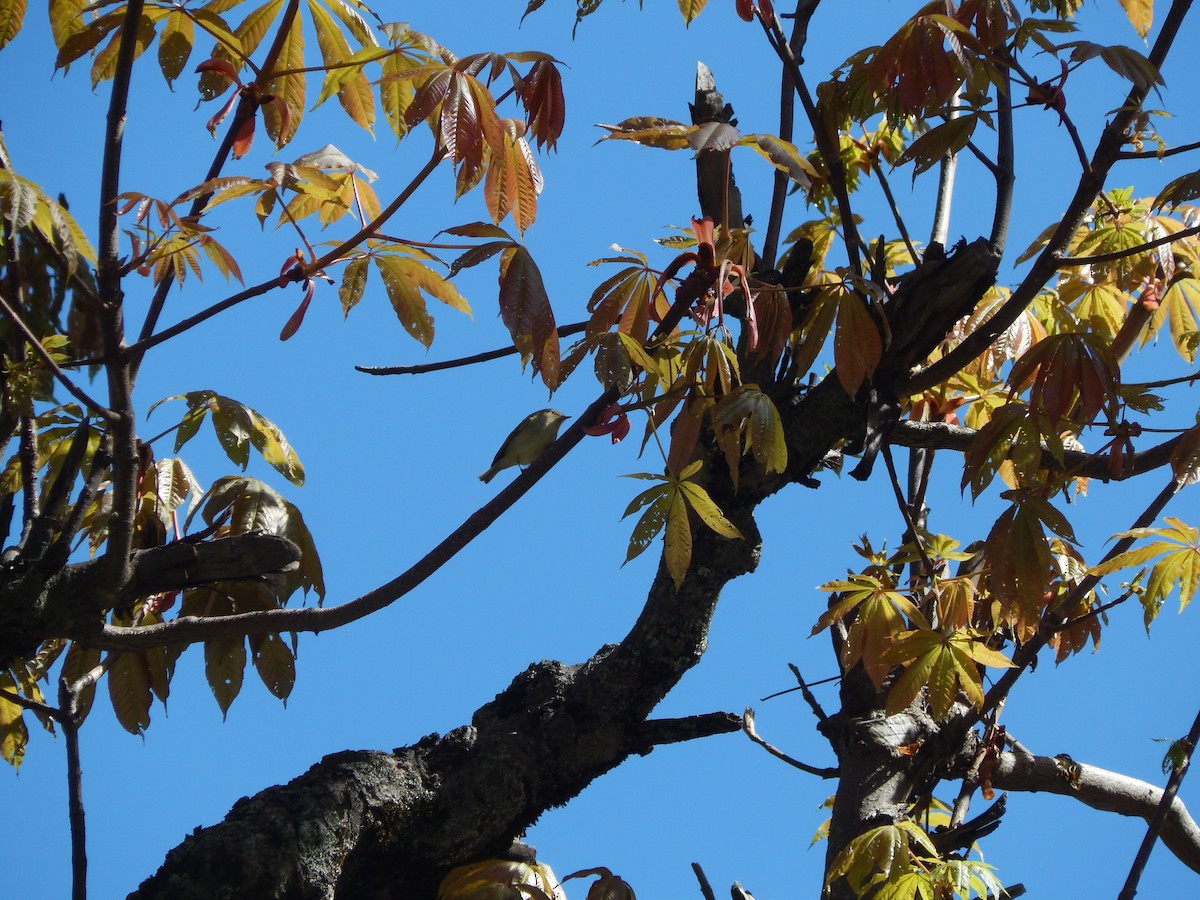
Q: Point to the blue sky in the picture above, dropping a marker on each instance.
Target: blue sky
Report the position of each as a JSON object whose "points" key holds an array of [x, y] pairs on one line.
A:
{"points": [[392, 465]]}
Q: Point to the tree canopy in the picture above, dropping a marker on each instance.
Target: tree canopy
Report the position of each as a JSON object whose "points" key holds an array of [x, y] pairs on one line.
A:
{"points": [[912, 313]]}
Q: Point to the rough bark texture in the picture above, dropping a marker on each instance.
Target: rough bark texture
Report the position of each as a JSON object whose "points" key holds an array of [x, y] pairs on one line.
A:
{"points": [[46, 598]]}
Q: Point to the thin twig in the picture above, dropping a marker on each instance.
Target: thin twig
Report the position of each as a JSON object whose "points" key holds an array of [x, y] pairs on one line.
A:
{"points": [[1157, 154], [899, 219], [906, 512], [35, 706], [811, 684], [1129, 251], [748, 728], [1167, 382], [486, 356], [808, 695], [1178, 771]]}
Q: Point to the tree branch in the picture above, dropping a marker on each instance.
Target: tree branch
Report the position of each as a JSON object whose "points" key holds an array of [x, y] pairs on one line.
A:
{"points": [[1161, 811], [108, 278], [486, 356], [943, 436], [1103, 790]]}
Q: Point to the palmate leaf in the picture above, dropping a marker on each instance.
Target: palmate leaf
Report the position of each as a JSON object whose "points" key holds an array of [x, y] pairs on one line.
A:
{"points": [[879, 615], [881, 855], [857, 345], [513, 179], [1180, 307], [666, 507], [746, 421], [238, 427], [945, 665], [353, 90], [541, 94], [1178, 565]]}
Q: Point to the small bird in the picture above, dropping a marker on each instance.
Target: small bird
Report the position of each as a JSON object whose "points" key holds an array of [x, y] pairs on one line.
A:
{"points": [[528, 440]]}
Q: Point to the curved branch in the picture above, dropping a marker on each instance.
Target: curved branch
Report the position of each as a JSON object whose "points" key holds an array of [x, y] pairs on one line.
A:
{"points": [[190, 629], [1103, 790]]}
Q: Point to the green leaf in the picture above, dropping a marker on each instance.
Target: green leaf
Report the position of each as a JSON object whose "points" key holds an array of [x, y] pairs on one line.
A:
{"points": [[224, 667], [677, 547], [710, 514], [275, 664], [354, 283], [129, 691]]}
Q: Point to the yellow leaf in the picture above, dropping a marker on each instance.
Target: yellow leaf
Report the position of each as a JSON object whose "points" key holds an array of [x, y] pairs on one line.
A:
{"points": [[12, 14], [677, 549], [289, 89], [13, 733], [129, 691], [224, 666], [1141, 14], [709, 513], [691, 9]]}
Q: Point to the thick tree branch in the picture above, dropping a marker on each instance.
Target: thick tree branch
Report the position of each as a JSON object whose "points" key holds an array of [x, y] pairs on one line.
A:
{"points": [[1103, 790], [71, 601]]}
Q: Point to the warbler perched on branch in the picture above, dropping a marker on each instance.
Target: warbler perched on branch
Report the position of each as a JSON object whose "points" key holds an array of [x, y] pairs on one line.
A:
{"points": [[528, 440]]}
